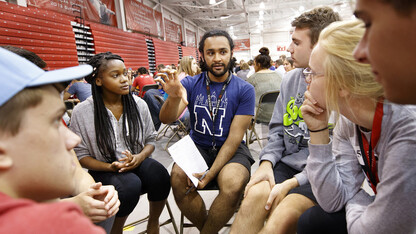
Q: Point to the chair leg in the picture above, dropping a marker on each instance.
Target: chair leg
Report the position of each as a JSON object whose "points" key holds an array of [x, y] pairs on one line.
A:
{"points": [[172, 218], [181, 226]]}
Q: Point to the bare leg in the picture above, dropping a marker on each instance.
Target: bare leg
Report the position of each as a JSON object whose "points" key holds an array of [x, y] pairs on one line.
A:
{"points": [[156, 209], [226, 203], [252, 214], [118, 225], [191, 205], [284, 217]]}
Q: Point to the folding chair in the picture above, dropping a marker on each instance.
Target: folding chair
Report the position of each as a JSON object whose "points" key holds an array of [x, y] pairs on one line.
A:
{"points": [[266, 98], [170, 220], [147, 87], [176, 128]]}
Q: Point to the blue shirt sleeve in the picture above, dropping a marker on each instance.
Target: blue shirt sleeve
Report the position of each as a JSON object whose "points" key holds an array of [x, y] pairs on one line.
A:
{"points": [[247, 101]]}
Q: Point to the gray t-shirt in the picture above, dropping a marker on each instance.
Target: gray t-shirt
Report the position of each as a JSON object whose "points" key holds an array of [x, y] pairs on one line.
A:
{"points": [[336, 175], [82, 123]]}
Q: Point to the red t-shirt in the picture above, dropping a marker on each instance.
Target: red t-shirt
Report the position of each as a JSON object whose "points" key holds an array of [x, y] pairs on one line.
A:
{"points": [[27, 216], [141, 81]]}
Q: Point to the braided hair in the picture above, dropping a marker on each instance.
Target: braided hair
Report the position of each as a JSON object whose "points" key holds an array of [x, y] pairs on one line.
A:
{"points": [[104, 131]]}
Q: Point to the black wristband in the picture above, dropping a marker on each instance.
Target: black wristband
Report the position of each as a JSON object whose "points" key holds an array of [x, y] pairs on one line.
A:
{"points": [[320, 130]]}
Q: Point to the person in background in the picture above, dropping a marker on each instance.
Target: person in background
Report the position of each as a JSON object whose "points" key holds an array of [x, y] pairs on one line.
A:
{"points": [[264, 80], [30, 118], [80, 88], [278, 192], [143, 78], [244, 70], [98, 202], [187, 67], [117, 140], [288, 64], [374, 140], [388, 45], [280, 69], [252, 70]]}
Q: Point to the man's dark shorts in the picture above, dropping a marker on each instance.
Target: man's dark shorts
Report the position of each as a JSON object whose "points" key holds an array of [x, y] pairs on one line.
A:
{"points": [[241, 156], [283, 172]]}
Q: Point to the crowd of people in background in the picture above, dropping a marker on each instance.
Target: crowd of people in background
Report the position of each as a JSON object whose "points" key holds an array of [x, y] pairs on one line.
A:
{"points": [[338, 124]]}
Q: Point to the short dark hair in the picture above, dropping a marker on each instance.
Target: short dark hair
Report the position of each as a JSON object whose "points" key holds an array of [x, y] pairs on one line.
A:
{"points": [[279, 61], [403, 7], [142, 71], [214, 33], [316, 20], [29, 55]]}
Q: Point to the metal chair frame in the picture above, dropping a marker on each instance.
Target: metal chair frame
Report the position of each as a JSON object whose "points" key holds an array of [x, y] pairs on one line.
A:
{"points": [[268, 97]]}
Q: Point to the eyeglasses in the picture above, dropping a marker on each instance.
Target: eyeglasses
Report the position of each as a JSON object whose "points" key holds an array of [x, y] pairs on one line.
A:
{"points": [[309, 75]]}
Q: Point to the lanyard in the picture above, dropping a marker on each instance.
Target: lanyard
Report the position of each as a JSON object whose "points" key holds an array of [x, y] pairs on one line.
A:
{"points": [[367, 149], [215, 112]]}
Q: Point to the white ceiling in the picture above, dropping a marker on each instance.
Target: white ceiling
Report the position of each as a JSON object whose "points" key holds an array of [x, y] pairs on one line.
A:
{"points": [[242, 17]]}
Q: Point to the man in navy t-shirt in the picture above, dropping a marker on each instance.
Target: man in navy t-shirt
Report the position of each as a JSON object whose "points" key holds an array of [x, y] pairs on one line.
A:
{"points": [[218, 124]]}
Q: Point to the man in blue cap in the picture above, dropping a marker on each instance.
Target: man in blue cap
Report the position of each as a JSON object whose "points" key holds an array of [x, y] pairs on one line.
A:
{"points": [[36, 163]]}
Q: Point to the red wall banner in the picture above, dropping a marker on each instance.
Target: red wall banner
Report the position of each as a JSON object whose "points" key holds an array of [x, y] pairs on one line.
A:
{"points": [[173, 31], [142, 18], [190, 38], [100, 11], [243, 44]]}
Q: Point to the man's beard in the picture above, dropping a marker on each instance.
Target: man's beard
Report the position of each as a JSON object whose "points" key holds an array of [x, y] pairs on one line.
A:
{"points": [[218, 74]]}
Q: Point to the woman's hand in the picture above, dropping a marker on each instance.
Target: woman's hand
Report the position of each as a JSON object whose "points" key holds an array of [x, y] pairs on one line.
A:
{"points": [[314, 116], [131, 161]]}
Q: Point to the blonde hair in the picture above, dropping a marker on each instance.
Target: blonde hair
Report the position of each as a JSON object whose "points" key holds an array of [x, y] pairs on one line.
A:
{"points": [[185, 65], [338, 40]]}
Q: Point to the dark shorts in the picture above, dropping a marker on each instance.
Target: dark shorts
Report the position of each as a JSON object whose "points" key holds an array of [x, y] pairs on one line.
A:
{"points": [[283, 172], [242, 156]]}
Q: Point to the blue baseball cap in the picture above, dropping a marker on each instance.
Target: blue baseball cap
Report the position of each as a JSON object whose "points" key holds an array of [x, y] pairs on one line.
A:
{"points": [[18, 73]]}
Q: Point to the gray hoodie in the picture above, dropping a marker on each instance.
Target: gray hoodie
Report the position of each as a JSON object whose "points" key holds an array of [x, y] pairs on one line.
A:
{"points": [[288, 133]]}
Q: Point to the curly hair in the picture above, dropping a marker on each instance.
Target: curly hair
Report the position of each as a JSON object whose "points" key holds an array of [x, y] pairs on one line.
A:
{"points": [[316, 20], [131, 118]]}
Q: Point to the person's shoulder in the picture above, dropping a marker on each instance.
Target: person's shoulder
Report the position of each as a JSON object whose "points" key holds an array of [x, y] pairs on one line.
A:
{"points": [[87, 104], [140, 102], [405, 114]]}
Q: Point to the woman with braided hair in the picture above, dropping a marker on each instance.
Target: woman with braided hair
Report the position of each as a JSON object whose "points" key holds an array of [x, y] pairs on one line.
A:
{"points": [[117, 139]]}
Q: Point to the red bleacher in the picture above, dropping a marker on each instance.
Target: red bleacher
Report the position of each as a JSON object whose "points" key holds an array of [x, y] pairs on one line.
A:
{"points": [[189, 51], [166, 52], [48, 34]]}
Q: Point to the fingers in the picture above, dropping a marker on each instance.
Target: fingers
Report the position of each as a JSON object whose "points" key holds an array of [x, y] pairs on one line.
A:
{"points": [[96, 185], [253, 181], [270, 200]]}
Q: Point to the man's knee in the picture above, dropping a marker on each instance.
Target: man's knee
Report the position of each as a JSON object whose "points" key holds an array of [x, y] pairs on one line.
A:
{"points": [[256, 198], [230, 184], [294, 205]]}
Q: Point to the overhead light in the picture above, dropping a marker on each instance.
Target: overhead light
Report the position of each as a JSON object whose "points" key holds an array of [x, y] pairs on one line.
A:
{"points": [[261, 12], [261, 17], [262, 5], [301, 8], [231, 28], [211, 2]]}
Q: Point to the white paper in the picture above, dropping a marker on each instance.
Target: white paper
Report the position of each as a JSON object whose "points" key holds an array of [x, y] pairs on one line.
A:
{"points": [[188, 157]]}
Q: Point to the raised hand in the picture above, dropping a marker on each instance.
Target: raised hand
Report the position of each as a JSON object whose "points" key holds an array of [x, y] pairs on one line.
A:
{"points": [[172, 85]]}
